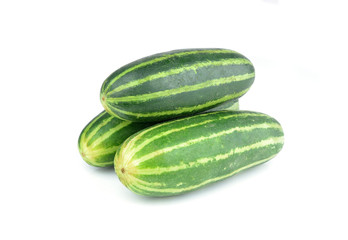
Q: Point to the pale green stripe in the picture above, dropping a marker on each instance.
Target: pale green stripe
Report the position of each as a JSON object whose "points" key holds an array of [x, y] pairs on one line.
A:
{"points": [[153, 184], [105, 104], [187, 88], [185, 109], [202, 161], [165, 57], [178, 190], [203, 138], [109, 107], [96, 129], [101, 152], [109, 133], [131, 142], [193, 67], [97, 162], [162, 134], [83, 137], [104, 164]]}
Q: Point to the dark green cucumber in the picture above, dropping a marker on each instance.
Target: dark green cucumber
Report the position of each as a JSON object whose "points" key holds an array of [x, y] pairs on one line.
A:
{"points": [[100, 139], [176, 84], [179, 156]]}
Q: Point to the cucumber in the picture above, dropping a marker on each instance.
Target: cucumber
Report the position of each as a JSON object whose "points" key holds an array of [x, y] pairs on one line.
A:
{"points": [[176, 84], [100, 139], [182, 155]]}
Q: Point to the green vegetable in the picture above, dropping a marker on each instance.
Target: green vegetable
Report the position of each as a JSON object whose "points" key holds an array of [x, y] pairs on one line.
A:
{"points": [[176, 84], [179, 156], [100, 139]]}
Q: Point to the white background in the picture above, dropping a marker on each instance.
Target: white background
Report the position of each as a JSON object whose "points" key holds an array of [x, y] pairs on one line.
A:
{"points": [[54, 56]]}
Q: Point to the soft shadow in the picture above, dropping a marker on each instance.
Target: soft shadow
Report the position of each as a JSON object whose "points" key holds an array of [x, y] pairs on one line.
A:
{"points": [[104, 169], [100, 170]]}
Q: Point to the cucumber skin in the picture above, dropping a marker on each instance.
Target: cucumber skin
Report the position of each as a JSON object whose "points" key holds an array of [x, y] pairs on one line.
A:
{"points": [[131, 92], [180, 156]]}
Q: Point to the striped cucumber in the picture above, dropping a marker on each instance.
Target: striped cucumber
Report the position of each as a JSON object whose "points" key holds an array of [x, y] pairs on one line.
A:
{"points": [[100, 139], [182, 155], [176, 84]]}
